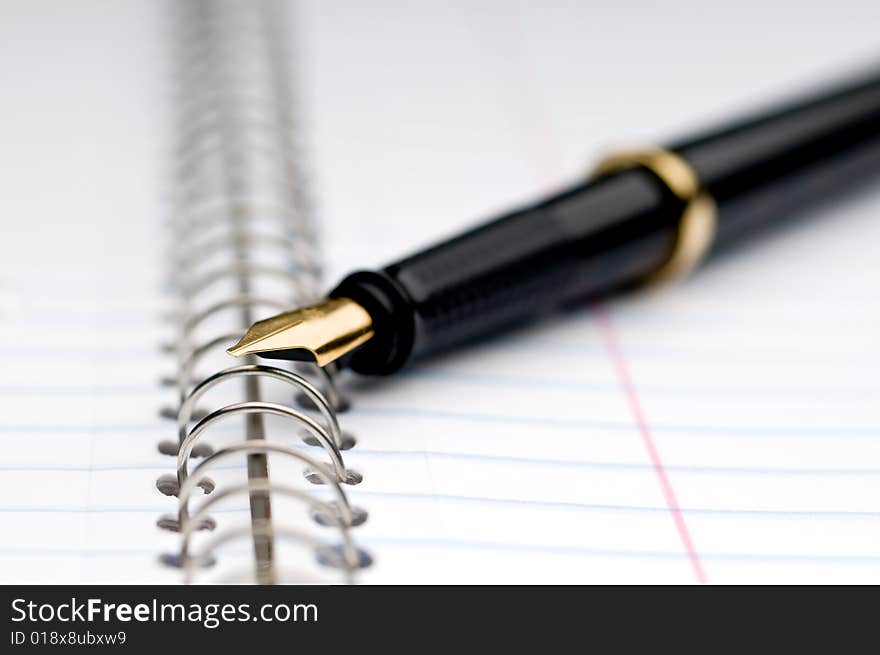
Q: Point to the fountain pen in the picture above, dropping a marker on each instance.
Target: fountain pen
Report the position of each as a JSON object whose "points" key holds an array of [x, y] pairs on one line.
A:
{"points": [[643, 215]]}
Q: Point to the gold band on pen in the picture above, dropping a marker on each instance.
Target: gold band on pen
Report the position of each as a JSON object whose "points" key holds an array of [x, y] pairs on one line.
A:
{"points": [[696, 227]]}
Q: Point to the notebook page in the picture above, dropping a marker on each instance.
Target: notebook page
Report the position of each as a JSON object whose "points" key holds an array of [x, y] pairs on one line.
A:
{"points": [[81, 295], [721, 430]]}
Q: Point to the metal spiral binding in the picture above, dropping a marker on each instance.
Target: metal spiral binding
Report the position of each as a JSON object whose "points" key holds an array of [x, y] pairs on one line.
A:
{"points": [[238, 211]]}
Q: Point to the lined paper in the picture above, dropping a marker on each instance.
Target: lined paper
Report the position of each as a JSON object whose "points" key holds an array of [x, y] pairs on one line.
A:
{"points": [[722, 430], [81, 294]]}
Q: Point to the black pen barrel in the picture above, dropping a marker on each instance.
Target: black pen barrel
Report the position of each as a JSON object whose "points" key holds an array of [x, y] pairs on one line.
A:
{"points": [[796, 156], [615, 230], [517, 267]]}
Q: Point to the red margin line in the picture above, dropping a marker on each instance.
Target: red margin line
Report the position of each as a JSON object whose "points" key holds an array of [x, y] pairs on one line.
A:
{"points": [[538, 145], [615, 352]]}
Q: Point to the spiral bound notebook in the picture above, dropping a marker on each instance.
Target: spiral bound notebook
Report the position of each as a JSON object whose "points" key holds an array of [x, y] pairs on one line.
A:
{"points": [[722, 430], [242, 244]]}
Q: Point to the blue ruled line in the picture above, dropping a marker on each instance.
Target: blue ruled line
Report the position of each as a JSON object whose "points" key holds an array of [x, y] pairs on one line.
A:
{"points": [[624, 508], [457, 377], [491, 547], [592, 507], [599, 552], [579, 424], [683, 468], [501, 459], [476, 417], [861, 358], [613, 386]]}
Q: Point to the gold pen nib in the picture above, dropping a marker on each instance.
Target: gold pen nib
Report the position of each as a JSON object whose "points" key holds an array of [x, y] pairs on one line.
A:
{"points": [[321, 333]]}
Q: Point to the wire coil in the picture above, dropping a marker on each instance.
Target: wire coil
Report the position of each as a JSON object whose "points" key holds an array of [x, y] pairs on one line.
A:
{"points": [[242, 248]]}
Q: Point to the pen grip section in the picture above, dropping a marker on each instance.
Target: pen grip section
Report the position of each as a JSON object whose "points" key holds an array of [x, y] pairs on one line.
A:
{"points": [[582, 242]]}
